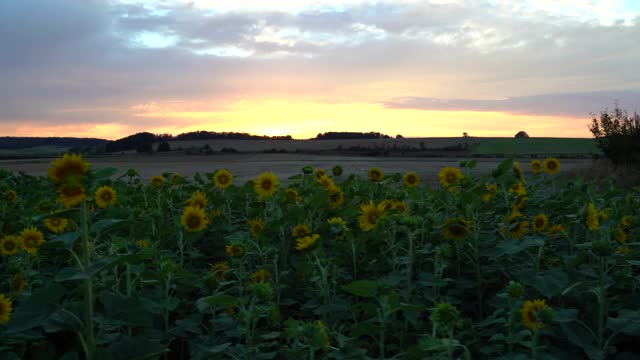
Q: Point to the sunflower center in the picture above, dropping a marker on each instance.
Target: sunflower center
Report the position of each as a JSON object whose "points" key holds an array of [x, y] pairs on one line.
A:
{"points": [[451, 178], [539, 223], [9, 245], [372, 218], [106, 196], [551, 165], [266, 184], [223, 179], [31, 242], [193, 221]]}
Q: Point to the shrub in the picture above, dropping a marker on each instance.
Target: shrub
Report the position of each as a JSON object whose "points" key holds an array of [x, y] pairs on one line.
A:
{"points": [[618, 136], [164, 147]]}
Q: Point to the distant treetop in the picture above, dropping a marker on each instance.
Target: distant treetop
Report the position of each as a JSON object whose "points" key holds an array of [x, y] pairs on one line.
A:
{"points": [[350, 135], [522, 134]]}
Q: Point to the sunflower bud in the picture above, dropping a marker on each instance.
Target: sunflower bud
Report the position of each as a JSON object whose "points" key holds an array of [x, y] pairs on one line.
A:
{"points": [[308, 169], [445, 316], [601, 247], [514, 289]]}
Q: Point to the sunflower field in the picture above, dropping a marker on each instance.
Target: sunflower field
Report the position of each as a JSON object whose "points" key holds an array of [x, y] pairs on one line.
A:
{"points": [[322, 265]]}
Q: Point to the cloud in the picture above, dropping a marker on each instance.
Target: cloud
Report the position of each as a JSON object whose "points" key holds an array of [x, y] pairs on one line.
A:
{"points": [[578, 105], [105, 59]]}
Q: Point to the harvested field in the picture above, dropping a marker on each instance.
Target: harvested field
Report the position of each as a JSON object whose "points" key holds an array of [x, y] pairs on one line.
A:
{"points": [[247, 166]]}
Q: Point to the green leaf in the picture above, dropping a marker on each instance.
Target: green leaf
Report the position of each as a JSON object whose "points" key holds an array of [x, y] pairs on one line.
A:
{"points": [[129, 310], [36, 309], [511, 247], [552, 282], [362, 288], [136, 348], [68, 239], [565, 315], [627, 322], [102, 225], [105, 173], [222, 300]]}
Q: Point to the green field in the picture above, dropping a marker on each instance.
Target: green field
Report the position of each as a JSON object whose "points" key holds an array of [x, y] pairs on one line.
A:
{"points": [[536, 146], [36, 151]]}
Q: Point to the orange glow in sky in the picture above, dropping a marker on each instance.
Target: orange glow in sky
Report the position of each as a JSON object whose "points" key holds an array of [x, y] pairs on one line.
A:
{"points": [[306, 119]]}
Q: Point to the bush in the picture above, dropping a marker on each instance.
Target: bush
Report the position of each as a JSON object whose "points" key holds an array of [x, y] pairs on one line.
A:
{"points": [[618, 136], [164, 147]]}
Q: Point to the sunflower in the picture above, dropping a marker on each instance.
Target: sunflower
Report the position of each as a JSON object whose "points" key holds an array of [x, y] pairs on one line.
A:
{"points": [[375, 174], [306, 242], [11, 196], [338, 226], [44, 207], [456, 229], [386, 204], [604, 214], [519, 204], [177, 179], [215, 213], [292, 195], [234, 250], [255, 226], [593, 223], [10, 244], [157, 181], [262, 275], [336, 197], [300, 230], [143, 244], [193, 219], [449, 176], [320, 173], [56, 224], [540, 222], [621, 236], [492, 189], [623, 250], [626, 221], [369, 215], [198, 199], [218, 269], [105, 196], [336, 170], [69, 169], [222, 179], [5, 309], [536, 166], [71, 195], [530, 311], [326, 182], [32, 238], [551, 166], [17, 283], [400, 205], [517, 227], [517, 171], [266, 184], [556, 229], [410, 179], [518, 188]]}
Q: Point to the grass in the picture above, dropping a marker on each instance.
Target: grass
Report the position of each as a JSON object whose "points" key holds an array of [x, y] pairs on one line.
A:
{"points": [[537, 146]]}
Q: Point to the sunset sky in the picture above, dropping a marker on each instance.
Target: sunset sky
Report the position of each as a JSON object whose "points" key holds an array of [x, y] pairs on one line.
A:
{"points": [[107, 69]]}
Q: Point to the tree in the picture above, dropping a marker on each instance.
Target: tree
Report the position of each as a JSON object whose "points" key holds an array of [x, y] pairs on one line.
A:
{"points": [[521, 135], [164, 147], [618, 136]]}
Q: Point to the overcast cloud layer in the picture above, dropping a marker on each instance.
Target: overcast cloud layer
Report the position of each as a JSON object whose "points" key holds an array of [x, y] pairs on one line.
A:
{"points": [[70, 62]]}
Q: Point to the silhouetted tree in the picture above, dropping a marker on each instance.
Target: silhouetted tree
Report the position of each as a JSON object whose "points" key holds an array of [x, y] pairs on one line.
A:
{"points": [[618, 135], [522, 134], [164, 147]]}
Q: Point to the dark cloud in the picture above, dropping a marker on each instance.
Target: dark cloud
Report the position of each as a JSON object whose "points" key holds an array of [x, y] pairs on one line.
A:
{"points": [[571, 105]]}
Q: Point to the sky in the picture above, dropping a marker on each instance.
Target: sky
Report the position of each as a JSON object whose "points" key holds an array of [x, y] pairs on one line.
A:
{"points": [[111, 68]]}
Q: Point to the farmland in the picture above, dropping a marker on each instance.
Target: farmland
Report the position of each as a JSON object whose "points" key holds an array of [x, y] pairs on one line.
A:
{"points": [[492, 259], [245, 166]]}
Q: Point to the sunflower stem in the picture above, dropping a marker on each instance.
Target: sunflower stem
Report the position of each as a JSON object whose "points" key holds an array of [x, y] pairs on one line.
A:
{"points": [[88, 286], [534, 345]]}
